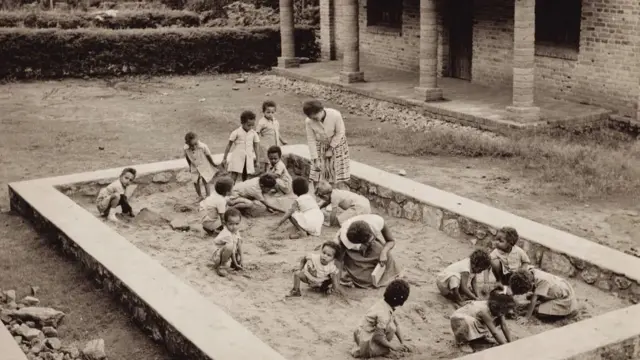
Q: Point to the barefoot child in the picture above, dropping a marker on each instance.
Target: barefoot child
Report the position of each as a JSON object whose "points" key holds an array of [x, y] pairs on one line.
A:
{"points": [[304, 214], [477, 320], [318, 270], [507, 257], [353, 204], [115, 194], [244, 141], [229, 244], [552, 297], [453, 281], [269, 130], [378, 328], [215, 205], [245, 194], [201, 164], [277, 168]]}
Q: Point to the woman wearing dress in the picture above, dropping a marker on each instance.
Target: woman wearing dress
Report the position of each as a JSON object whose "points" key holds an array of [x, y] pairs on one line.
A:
{"points": [[327, 143]]}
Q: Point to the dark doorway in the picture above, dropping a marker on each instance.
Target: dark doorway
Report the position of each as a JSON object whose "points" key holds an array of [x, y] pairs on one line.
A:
{"points": [[460, 18]]}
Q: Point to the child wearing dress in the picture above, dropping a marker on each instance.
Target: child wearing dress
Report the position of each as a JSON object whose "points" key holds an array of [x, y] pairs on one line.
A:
{"points": [[304, 214], [115, 194], [378, 328], [351, 203], [245, 194], [319, 271], [507, 257], [229, 244], [453, 282], [215, 205], [277, 168], [201, 164], [551, 297], [268, 128], [244, 142], [478, 320]]}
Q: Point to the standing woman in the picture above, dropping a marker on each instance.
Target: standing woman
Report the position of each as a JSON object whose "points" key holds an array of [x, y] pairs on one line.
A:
{"points": [[327, 144]]}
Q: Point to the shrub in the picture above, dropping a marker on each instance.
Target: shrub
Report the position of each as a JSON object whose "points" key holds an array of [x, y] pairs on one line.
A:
{"points": [[49, 53]]}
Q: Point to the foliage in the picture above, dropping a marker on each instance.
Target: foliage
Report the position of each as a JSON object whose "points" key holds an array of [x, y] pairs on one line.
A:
{"points": [[123, 19]]}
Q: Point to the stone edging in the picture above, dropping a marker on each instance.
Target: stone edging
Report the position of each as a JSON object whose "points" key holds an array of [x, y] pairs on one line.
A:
{"points": [[10, 349]]}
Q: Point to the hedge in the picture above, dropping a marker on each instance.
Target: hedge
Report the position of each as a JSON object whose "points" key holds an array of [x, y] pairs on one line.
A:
{"points": [[123, 20], [49, 53]]}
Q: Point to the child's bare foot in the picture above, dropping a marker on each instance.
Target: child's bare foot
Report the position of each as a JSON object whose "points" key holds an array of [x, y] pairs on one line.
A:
{"points": [[466, 348], [298, 235], [221, 272], [294, 293], [112, 217]]}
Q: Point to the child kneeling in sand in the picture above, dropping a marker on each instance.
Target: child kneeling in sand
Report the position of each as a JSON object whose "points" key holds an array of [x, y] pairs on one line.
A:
{"points": [[229, 244], [551, 298], [115, 194], [304, 214], [246, 193], [379, 326], [215, 205], [453, 282], [318, 270], [351, 203]]}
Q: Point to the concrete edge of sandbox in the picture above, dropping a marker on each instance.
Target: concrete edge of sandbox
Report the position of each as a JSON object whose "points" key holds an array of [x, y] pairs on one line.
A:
{"points": [[10, 348], [187, 324]]}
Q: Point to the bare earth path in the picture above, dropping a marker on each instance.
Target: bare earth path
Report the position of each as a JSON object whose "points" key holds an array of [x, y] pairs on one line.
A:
{"points": [[59, 127]]}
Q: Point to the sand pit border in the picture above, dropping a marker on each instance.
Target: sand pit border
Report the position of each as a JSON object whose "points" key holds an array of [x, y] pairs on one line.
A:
{"points": [[192, 327]]}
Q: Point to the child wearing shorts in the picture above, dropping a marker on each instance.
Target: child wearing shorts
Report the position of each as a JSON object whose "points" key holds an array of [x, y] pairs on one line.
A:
{"points": [[115, 194]]}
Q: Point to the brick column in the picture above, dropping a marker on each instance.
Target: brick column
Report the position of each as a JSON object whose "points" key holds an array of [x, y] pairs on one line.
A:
{"points": [[428, 88], [523, 107], [287, 57], [351, 58], [327, 31]]}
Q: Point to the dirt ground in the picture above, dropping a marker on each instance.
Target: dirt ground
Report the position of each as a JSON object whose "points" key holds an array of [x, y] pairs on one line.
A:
{"points": [[60, 127]]}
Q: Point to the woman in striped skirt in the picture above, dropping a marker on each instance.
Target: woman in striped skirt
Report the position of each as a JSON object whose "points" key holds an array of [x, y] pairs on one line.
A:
{"points": [[327, 143]]}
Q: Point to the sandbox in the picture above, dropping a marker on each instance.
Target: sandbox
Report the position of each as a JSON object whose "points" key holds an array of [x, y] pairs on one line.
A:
{"points": [[148, 266]]}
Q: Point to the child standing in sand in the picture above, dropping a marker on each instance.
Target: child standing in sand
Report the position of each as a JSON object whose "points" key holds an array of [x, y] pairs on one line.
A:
{"points": [[378, 328], [277, 168], [304, 214], [229, 244], [551, 296], [215, 205], [245, 194], [269, 130], [453, 281], [507, 257], [318, 270], [351, 203], [244, 142], [201, 164], [115, 194]]}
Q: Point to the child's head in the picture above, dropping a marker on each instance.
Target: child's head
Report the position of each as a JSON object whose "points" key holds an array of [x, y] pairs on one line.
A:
{"points": [[248, 120], [328, 252], [300, 186], [506, 238], [521, 282], [191, 139], [324, 190], [480, 261], [396, 293], [232, 218], [274, 153], [127, 176], [500, 303], [267, 182], [269, 109], [224, 185], [313, 109]]}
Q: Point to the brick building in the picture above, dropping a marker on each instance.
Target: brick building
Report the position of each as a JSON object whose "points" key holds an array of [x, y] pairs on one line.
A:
{"points": [[585, 51]]}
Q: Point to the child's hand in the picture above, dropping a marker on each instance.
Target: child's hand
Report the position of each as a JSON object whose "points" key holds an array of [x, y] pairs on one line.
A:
{"points": [[223, 164], [401, 348]]}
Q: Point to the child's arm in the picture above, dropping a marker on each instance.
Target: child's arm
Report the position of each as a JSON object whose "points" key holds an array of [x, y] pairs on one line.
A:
{"points": [[187, 157], [474, 286], [399, 332], [226, 153], [464, 280], [488, 321], [532, 305], [324, 204], [455, 294], [335, 282], [505, 328], [237, 257], [256, 147], [286, 216], [268, 204], [303, 261], [221, 215], [211, 161]]}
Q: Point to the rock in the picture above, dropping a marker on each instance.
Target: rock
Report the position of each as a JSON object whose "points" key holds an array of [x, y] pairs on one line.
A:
{"points": [[183, 177], [28, 333], [162, 178], [235, 88], [480, 234], [180, 224], [451, 227], [89, 191], [18, 339], [12, 305], [72, 351], [622, 282], [590, 275], [385, 193], [183, 208], [42, 315], [411, 211], [394, 209], [147, 216], [557, 264], [53, 343], [50, 332], [37, 347], [402, 172], [34, 290], [30, 301], [94, 350], [241, 80], [432, 217], [30, 324], [9, 296], [5, 317]]}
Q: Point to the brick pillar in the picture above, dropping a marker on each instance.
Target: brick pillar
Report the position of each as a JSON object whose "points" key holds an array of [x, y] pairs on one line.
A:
{"points": [[523, 107], [327, 31], [351, 58], [287, 57], [428, 88]]}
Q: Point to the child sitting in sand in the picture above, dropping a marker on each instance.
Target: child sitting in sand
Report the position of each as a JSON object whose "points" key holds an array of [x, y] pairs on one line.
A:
{"points": [[475, 321], [115, 194], [379, 326], [353, 204], [229, 244], [318, 270], [304, 214], [507, 257], [277, 168], [245, 194], [215, 205], [201, 164], [244, 141], [453, 281], [551, 297]]}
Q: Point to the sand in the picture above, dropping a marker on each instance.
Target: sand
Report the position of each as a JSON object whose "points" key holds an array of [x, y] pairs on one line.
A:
{"points": [[316, 326]]}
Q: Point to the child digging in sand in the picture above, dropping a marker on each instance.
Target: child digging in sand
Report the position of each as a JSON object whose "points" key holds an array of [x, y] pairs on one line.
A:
{"points": [[245, 194], [351, 203], [304, 214], [507, 257], [277, 168], [453, 282], [116, 194], [319, 271], [215, 205], [229, 244], [378, 328], [244, 141], [201, 164], [551, 297]]}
